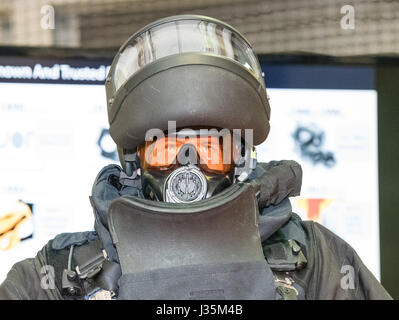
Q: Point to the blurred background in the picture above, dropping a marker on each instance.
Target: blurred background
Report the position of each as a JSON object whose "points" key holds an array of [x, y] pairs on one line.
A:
{"points": [[332, 72], [271, 26]]}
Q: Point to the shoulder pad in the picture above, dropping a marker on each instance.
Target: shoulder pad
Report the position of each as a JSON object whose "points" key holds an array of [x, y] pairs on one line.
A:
{"points": [[65, 240]]}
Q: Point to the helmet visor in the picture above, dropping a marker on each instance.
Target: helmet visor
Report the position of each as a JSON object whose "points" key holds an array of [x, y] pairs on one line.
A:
{"points": [[183, 36]]}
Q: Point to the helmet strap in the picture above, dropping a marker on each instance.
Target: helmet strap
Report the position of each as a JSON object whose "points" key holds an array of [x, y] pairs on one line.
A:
{"points": [[131, 163]]}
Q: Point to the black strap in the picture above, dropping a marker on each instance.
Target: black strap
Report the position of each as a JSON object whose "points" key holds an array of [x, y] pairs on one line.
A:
{"points": [[70, 284], [108, 278], [130, 181], [91, 266], [285, 257], [86, 269]]}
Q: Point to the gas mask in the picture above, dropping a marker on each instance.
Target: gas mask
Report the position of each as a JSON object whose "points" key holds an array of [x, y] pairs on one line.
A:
{"points": [[188, 166]]}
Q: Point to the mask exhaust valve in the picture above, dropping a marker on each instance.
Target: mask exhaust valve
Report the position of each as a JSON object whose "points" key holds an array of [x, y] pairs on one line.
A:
{"points": [[185, 184]]}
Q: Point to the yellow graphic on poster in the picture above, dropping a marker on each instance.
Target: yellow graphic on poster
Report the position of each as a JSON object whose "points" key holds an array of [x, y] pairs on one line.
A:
{"points": [[314, 207], [13, 225]]}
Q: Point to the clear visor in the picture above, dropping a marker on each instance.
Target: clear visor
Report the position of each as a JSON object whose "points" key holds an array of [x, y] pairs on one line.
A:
{"points": [[184, 36]]}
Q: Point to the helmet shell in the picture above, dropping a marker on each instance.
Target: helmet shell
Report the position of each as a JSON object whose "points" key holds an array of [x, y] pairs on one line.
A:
{"points": [[195, 89]]}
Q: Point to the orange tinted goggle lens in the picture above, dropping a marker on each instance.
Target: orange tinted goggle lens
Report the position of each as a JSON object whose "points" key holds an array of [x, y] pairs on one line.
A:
{"points": [[162, 153]]}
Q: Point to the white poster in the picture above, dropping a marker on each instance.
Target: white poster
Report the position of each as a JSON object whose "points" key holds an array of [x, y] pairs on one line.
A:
{"points": [[332, 134], [53, 142]]}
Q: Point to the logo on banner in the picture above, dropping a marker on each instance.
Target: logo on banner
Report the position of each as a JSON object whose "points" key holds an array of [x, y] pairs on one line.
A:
{"points": [[314, 207], [16, 139], [107, 145], [310, 141]]}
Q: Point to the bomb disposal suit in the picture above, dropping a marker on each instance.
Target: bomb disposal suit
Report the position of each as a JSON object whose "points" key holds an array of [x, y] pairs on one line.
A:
{"points": [[190, 214]]}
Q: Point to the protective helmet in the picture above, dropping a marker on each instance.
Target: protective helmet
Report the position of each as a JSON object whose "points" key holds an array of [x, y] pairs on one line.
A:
{"points": [[195, 70]]}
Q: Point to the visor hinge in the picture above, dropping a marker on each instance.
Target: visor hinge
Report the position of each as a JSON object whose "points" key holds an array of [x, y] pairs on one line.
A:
{"points": [[250, 161], [131, 164]]}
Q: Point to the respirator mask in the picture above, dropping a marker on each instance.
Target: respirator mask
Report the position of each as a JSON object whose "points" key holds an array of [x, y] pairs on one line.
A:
{"points": [[192, 165]]}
